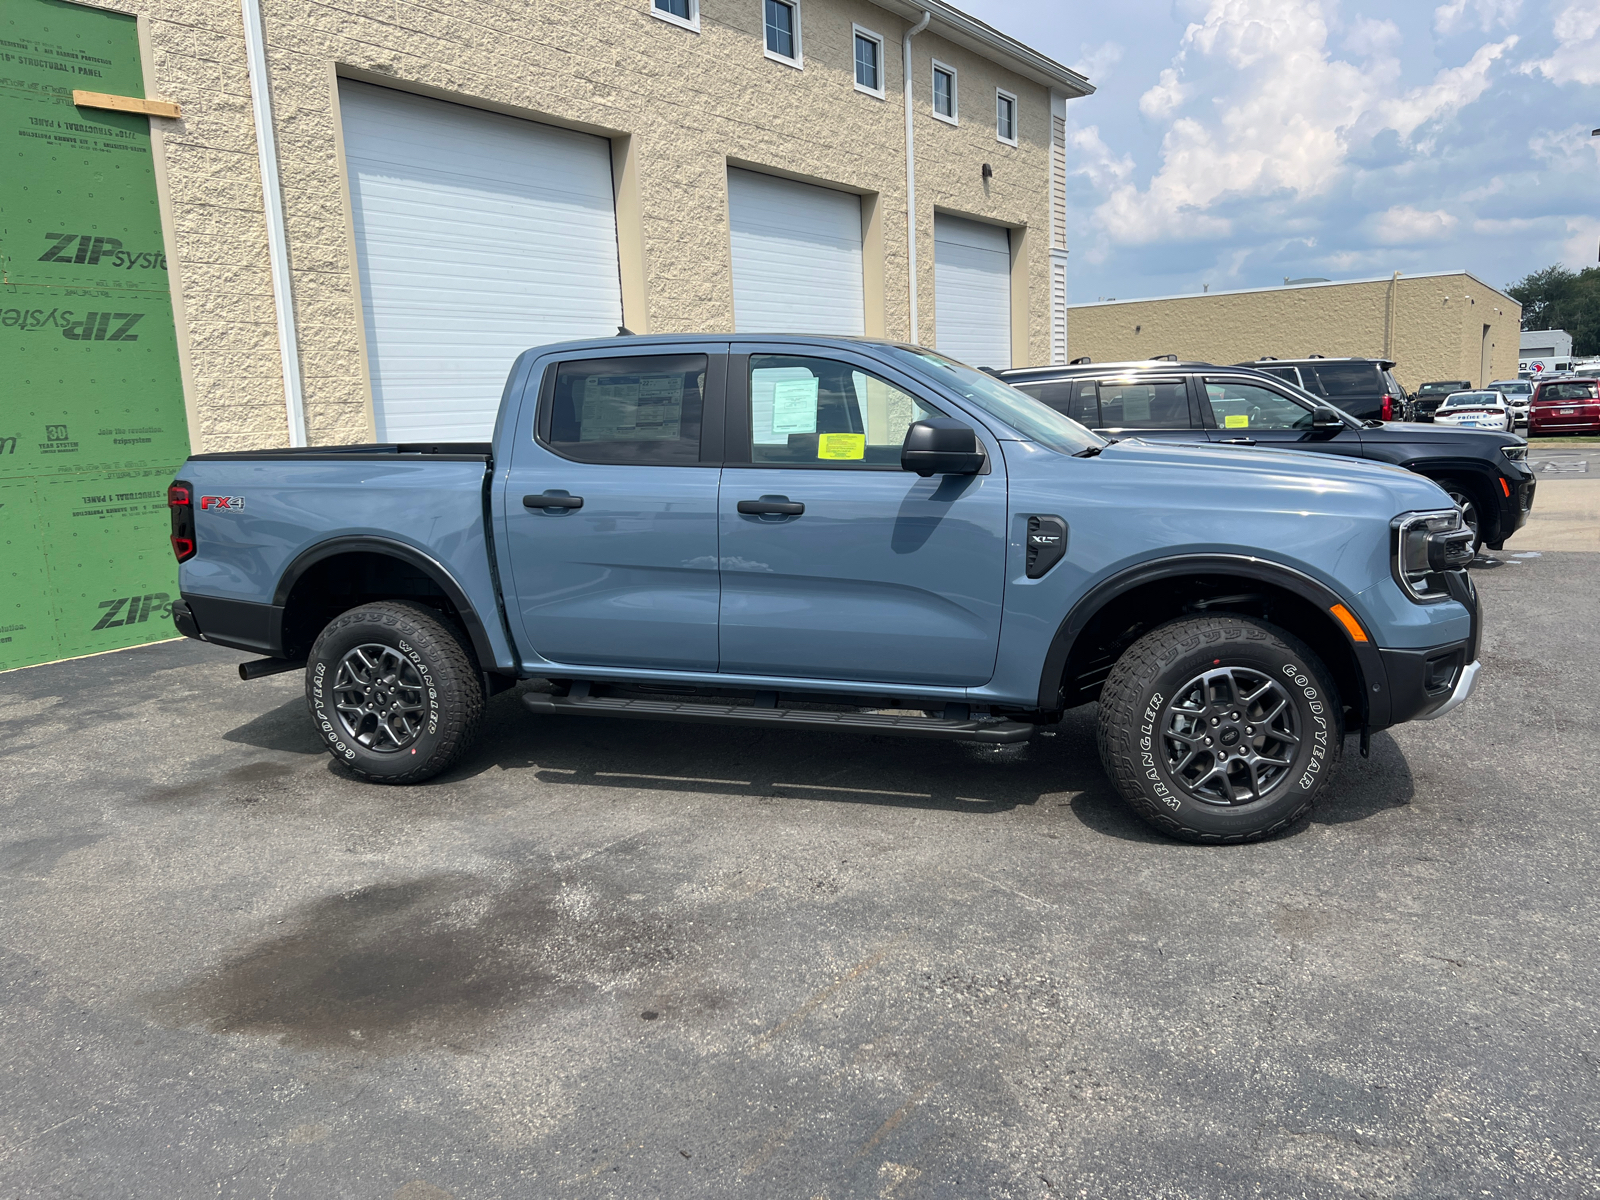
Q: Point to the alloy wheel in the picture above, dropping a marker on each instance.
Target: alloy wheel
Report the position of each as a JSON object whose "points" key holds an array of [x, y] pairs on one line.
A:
{"points": [[1230, 736], [1469, 510], [378, 694]]}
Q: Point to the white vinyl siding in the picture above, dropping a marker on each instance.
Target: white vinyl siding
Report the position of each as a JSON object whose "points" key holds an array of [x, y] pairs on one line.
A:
{"points": [[478, 235], [972, 291], [796, 256]]}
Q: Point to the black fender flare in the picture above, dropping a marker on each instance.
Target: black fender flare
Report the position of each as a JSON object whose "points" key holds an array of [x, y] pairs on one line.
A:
{"points": [[1369, 663], [391, 548]]}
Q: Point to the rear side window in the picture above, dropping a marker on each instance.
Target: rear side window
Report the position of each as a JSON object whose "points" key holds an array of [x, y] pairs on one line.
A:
{"points": [[628, 410], [1143, 405], [1338, 381], [1287, 374], [1073, 398]]}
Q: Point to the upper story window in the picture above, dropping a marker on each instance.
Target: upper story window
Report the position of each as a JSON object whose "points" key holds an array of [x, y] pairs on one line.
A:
{"points": [[869, 62], [781, 19], [944, 92], [679, 12], [1005, 117]]}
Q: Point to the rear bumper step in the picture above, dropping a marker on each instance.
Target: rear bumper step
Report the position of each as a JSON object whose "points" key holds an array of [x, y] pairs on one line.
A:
{"points": [[993, 732]]}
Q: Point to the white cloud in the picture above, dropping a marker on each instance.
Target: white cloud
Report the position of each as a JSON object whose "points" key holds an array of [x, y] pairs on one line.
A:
{"points": [[1454, 14], [1165, 98], [1095, 62], [1093, 159], [1403, 225], [1368, 37], [1582, 247], [1279, 117], [1577, 55]]}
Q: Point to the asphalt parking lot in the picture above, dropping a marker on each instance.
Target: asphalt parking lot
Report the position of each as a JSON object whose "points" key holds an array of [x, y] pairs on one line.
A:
{"points": [[605, 959]]}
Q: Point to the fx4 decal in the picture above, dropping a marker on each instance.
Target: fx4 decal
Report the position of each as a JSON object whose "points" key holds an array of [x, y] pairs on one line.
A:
{"points": [[229, 502]]}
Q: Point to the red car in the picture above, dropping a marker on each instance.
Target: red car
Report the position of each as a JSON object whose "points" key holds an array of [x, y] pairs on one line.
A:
{"points": [[1564, 406]]}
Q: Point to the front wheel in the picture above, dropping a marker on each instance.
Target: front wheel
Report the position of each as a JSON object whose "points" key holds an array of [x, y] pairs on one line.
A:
{"points": [[1219, 729], [394, 691]]}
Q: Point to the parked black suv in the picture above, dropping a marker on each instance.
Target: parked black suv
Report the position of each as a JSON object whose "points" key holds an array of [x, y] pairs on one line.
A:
{"points": [[1362, 387], [1427, 398], [1486, 473]]}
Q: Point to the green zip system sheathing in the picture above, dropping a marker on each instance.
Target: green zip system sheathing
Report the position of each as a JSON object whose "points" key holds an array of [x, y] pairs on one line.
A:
{"points": [[92, 421]]}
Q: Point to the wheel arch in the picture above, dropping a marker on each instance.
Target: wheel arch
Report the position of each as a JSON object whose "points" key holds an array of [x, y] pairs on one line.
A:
{"points": [[362, 569], [1123, 606]]}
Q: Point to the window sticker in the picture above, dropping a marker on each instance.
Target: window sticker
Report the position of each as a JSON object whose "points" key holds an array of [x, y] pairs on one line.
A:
{"points": [[1236, 421], [794, 406], [842, 446], [632, 408], [764, 385]]}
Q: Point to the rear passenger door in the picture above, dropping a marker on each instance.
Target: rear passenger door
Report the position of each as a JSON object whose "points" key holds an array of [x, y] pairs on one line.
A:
{"points": [[1250, 412]]}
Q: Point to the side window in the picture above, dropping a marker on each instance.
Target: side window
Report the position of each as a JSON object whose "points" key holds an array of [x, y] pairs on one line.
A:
{"points": [[1143, 405], [1249, 406], [815, 412], [1287, 374], [628, 410]]}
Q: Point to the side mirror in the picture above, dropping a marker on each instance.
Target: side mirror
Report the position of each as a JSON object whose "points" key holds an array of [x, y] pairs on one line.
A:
{"points": [[941, 446], [1323, 417]]}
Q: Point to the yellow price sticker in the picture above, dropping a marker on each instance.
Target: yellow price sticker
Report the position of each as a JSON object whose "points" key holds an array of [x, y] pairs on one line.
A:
{"points": [[842, 445], [1238, 422]]}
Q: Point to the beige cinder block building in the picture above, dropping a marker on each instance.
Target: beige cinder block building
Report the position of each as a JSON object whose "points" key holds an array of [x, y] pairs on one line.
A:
{"points": [[1449, 325], [456, 182]]}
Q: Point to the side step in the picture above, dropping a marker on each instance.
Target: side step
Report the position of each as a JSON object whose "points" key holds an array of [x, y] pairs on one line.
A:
{"points": [[992, 732]]}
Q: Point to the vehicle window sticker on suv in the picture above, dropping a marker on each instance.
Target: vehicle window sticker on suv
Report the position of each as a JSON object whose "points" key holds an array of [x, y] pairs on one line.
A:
{"points": [[818, 412], [1238, 405], [629, 410]]}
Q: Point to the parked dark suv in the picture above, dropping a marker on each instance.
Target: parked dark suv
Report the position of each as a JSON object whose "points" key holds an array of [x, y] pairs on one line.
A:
{"points": [[1362, 387], [1425, 402], [1484, 472]]}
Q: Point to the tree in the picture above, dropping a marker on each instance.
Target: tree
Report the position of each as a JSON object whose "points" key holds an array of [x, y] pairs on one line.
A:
{"points": [[1556, 298]]}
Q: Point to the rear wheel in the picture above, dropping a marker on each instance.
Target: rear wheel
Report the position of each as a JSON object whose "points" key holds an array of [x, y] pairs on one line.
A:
{"points": [[1219, 729], [394, 691]]}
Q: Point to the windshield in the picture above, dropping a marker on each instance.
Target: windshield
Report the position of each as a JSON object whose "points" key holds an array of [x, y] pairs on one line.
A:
{"points": [[1473, 400], [1437, 389], [1031, 418], [1514, 389]]}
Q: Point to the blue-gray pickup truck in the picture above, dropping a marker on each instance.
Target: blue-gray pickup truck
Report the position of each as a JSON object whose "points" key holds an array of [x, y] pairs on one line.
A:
{"points": [[840, 534]]}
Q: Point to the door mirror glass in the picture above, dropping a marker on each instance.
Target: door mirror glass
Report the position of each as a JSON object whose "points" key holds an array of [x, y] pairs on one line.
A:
{"points": [[1324, 417], [941, 446]]}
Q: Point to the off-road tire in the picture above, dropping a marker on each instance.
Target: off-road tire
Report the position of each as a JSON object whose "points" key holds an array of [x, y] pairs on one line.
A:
{"points": [[446, 668], [1134, 706]]}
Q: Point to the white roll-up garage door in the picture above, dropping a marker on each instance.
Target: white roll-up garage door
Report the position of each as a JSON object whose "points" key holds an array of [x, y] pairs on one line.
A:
{"points": [[972, 291], [796, 256], [478, 235]]}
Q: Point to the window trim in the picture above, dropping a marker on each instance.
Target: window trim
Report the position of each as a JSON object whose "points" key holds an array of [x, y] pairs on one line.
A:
{"points": [[692, 24], [798, 62], [1016, 119], [955, 93], [860, 31]]}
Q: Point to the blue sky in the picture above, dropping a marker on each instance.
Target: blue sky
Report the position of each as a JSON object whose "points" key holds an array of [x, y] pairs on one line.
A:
{"points": [[1236, 142]]}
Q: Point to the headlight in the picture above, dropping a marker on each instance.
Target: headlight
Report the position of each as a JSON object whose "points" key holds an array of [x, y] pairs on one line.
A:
{"points": [[1516, 453], [1423, 545]]}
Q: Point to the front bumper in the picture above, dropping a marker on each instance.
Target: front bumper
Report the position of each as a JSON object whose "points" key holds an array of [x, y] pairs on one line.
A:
{"points": [[1424, 684]]}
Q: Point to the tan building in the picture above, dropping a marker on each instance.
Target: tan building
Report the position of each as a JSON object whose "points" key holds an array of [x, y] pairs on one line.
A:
{"points": [[459, 182], [1439, 326]]}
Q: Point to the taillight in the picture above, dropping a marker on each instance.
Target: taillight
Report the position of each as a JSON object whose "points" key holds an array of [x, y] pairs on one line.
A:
{"points": [[180, 499], [1388, 408]]}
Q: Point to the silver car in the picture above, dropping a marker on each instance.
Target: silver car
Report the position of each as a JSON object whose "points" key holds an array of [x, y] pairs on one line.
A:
{"points": [[1518, 393]]}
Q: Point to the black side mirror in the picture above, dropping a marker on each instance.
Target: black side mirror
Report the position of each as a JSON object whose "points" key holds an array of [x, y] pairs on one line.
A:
{"points": [[1323, 417], [941, 446]]}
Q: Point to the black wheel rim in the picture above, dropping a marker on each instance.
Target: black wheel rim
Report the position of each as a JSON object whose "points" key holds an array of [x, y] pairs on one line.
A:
{"points": [[378, 694], [1469, 510], [1230, 736]]}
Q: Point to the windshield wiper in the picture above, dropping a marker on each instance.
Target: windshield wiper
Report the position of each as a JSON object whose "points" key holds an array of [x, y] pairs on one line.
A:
{"points": [[1091, 451]]}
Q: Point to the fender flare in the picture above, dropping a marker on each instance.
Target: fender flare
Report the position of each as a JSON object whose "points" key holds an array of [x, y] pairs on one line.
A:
{"points": [[1369, 663], [391, 548]]}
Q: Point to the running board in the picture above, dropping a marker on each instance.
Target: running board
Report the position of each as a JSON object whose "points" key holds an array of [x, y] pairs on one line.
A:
{"points": [[992, 732]]}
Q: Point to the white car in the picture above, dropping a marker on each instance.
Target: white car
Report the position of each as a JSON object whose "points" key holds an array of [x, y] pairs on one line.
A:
{"points": [[1475, 410], [1518, 394]]}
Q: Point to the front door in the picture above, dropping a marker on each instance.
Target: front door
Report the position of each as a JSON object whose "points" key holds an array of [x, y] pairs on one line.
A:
{"points": [[836, 564], [1244, 413], [611, 512]]}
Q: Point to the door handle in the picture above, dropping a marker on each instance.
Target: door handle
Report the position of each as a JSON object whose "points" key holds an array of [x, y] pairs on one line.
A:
{"points": [[1238, 441], [775, 508], [552, 500]]}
